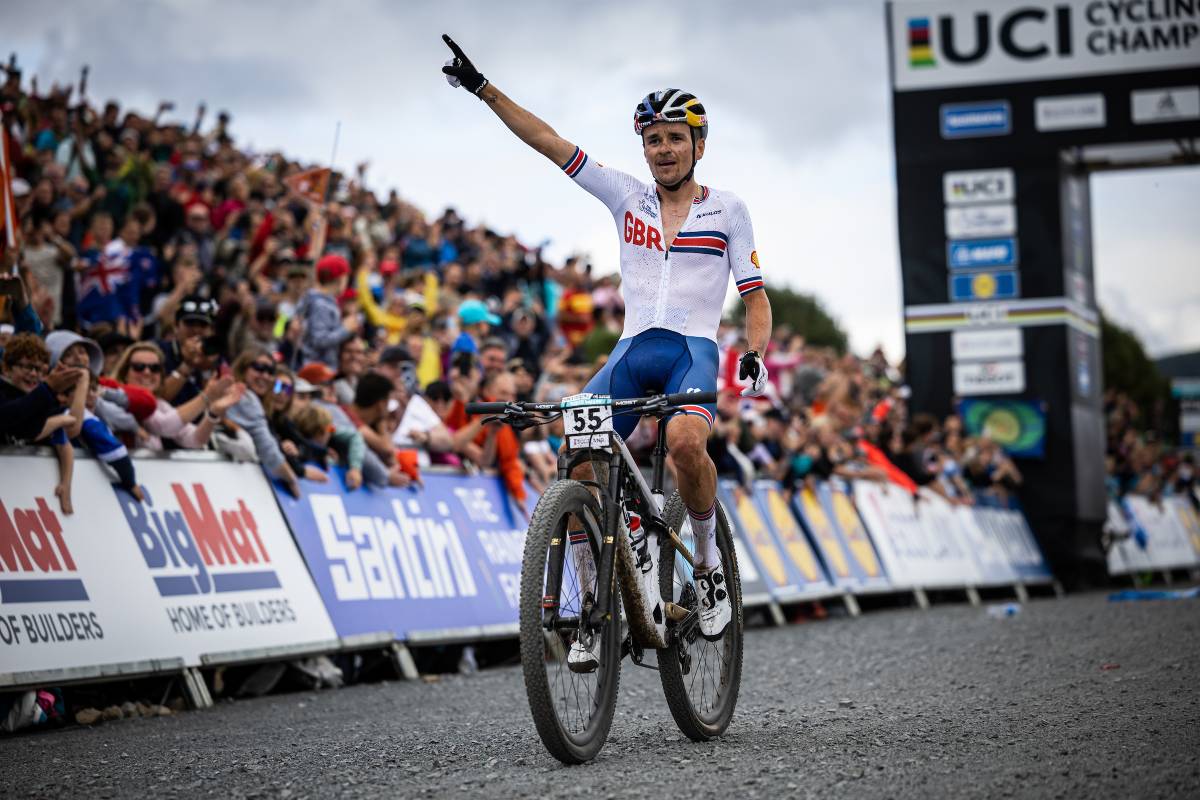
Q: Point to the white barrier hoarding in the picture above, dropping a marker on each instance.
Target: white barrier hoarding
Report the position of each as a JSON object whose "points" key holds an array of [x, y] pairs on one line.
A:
{"points": [[1169, 530], [205, 566], [914, 549]]}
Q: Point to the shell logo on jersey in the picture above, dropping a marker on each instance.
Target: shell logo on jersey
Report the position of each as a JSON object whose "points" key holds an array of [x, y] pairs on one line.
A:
{"points": [[754, 259]]}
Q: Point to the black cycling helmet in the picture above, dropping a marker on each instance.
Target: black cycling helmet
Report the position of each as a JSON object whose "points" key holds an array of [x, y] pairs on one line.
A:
{"points": [[671, 105]]}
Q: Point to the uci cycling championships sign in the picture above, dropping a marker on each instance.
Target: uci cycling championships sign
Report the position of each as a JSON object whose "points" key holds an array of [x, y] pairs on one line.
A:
{"points": [[946, 43]]}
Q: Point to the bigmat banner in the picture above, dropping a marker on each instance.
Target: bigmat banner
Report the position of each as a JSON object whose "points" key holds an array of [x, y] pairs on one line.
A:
{"points": [[443, 561], [202, 570]]}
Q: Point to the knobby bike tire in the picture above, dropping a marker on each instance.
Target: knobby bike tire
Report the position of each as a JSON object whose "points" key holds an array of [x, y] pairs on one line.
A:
{"points": [[549, 520], [701, 724]]}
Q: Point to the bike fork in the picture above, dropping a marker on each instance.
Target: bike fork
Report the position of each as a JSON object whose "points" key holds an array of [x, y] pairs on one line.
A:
{"points": [[608, 548]]}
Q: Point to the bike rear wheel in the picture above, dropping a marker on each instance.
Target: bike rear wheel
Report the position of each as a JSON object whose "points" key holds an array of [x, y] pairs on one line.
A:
{"points": [[700, 678], [572, 711]]}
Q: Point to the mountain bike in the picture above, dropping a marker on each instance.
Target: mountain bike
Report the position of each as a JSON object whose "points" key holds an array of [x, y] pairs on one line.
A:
{"points": [[606, 573]]}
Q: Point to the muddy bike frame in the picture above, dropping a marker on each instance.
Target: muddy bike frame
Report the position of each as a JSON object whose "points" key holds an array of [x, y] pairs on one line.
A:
{"points": [[625, 482]]}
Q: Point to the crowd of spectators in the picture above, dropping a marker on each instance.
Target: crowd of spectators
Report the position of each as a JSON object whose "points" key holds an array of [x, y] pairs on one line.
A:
{"points": [[177, 292], [1137, 460]]}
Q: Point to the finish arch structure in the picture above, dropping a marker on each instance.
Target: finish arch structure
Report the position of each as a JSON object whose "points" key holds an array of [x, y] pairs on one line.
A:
{"points": [[1001, 110]]}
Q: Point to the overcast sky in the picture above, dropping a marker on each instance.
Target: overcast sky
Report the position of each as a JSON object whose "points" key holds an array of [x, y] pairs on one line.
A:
{"points": [[797, 94]]}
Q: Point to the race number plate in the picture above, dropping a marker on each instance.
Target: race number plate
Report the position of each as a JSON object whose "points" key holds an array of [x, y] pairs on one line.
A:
{"points": [[586, 414]]}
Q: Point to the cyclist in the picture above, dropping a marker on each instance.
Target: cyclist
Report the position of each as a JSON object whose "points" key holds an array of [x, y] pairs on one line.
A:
{"points": [[680, 242]]}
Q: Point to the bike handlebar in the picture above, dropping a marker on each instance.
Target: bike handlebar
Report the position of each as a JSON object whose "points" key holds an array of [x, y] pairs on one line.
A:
{"points": [[666, 400]]}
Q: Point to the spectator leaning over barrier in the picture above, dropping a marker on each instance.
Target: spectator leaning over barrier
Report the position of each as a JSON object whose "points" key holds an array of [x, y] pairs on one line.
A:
{"points": [[32, 410], [100, 442], [256, 370], [318, 312], [111, 405], [188, 425], [367, 412], [345, 440]]}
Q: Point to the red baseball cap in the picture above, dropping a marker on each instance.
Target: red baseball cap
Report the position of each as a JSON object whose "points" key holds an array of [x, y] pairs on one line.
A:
{"points": [[316, 373], [331, 267]]}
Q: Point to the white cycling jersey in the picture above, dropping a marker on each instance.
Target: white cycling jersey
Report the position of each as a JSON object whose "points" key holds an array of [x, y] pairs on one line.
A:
{"points": [[679, 285]]}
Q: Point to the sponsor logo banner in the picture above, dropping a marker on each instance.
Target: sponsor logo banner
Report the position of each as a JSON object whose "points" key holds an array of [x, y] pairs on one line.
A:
{"points": [[967, 120], [984, 285], [917, 547], [986, 344], [838, 534], [204, 566], [979, 186], [989, 377], [972, 222], [446, 557], [1175, 104], [789, 534], [1070, 112], [981, 253], [782, 575], [1019, 426], [944, 43], [1166, 532]]}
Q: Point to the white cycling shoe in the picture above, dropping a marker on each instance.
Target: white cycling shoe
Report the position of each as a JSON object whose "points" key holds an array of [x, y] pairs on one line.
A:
{"points": [[584, 659], [716, 610]]}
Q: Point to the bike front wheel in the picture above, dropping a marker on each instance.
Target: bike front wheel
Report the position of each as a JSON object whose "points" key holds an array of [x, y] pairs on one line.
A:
{"points": [[572, 709], [700, 678]]}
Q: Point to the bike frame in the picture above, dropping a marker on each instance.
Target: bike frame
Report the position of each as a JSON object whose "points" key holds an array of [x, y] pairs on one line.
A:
{"points": [[621, 466]]}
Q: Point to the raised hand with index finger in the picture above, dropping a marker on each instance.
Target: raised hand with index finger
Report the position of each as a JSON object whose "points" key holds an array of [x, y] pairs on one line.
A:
{"points": [[460, 71]]}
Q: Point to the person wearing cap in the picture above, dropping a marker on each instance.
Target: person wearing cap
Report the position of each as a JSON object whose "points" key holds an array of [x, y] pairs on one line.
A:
{"points": [[324, 327], [407, 309], [185, 361], [476, 322]]}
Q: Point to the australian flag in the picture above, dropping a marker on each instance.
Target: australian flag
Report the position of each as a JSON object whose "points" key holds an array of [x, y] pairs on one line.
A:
{"points": [[108, 288]]}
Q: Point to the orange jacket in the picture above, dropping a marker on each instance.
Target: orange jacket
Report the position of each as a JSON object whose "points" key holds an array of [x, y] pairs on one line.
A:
{"points": [[508, 449]]}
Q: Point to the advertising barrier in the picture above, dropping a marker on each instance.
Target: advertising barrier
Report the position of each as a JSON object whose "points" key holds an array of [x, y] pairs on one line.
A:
{"points": [[783, 524], [217, 566], [1164, 535], [834, 527], [929, 543], [203, 571], [783, 570], [1007, 524], [439, 562]]}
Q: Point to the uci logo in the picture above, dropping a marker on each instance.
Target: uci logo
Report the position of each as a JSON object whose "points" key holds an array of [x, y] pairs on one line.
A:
{"points": [[1024, 34]]}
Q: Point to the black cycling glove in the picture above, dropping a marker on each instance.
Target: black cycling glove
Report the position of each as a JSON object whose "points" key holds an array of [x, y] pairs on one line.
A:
{"points": [[752, 367], [463, 71]]}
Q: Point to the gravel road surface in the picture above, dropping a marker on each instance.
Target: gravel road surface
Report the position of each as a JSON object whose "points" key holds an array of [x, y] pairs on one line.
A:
{"points": [[1072, 698]]}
